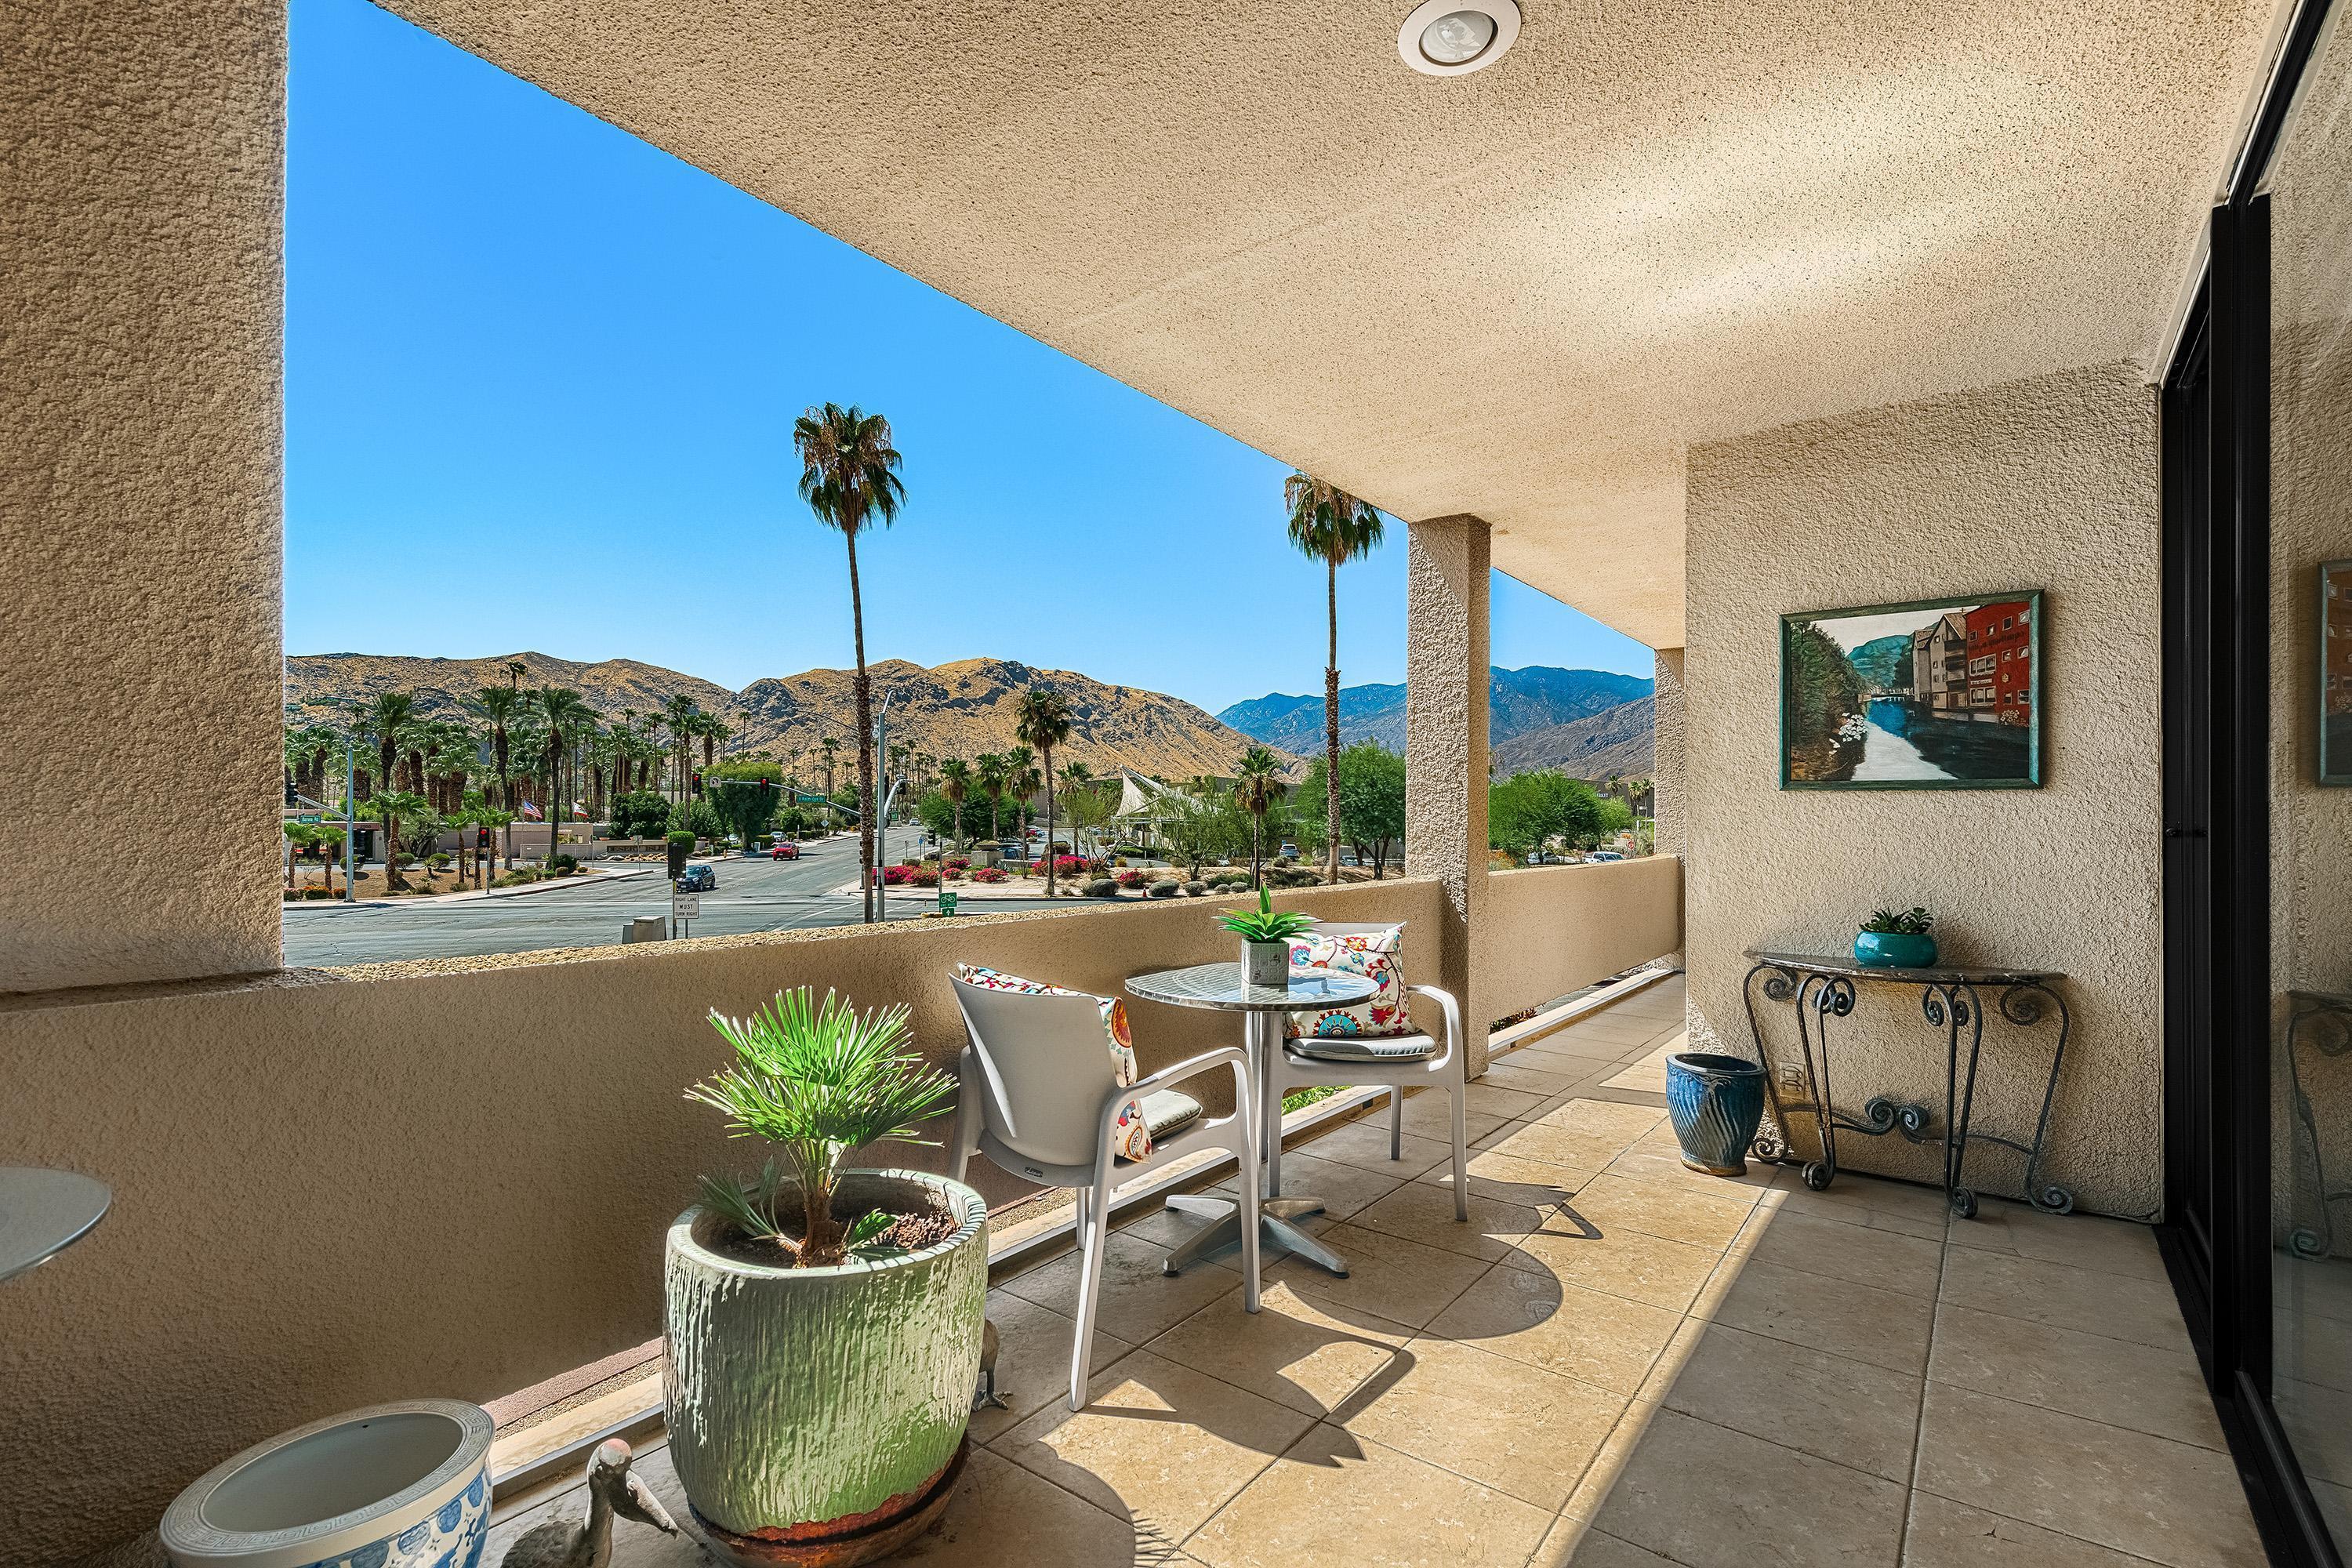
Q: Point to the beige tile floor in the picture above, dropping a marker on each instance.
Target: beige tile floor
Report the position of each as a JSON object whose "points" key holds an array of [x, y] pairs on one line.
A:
{"points": [[1616, 1361]]}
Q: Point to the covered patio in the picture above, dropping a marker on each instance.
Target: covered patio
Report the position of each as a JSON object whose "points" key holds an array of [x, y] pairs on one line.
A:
{"points": [[1616, 1361]]}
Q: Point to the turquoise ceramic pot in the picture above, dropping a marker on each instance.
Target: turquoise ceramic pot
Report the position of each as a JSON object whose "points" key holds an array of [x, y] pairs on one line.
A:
{"points": [[1715, 1104], [1893, 950]]}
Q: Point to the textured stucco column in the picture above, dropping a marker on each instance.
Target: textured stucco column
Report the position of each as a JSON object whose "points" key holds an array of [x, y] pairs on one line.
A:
{"points": [[1669, 806], [1446, 572], [143, 150]]}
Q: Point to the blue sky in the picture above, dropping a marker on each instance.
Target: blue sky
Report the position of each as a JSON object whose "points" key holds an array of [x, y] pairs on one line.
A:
{"points": [[524, 347]]}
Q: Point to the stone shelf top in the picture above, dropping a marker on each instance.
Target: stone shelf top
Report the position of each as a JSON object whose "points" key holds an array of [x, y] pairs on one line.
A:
{"points": [[1846, 966]]}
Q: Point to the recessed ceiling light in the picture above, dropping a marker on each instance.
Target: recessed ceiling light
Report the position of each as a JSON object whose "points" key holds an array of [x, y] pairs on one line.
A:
{"points": [[1455, 38]]}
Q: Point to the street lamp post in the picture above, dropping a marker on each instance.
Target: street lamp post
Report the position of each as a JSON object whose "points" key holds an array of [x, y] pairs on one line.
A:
{"points": [[351, 787]]}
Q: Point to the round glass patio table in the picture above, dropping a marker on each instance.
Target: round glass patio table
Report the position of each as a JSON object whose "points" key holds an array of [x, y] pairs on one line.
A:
{"points": [[42, 1213], [1222, 987]]}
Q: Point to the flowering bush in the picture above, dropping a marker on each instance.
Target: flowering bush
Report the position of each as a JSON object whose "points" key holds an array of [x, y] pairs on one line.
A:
{"points": [[924, 876], [991, 874], [953, 873], [1070, 865], [1130, 878], [959, 862], [900, 876]]}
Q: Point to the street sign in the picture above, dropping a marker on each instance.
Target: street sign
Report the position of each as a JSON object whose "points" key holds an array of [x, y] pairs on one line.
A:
{"points": [[685, 907], [308, 817]]}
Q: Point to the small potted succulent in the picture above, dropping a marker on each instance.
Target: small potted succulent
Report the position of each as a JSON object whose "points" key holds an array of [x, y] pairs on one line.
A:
{"points": [[1890, 940], [1266, 933], [824, 1323]]}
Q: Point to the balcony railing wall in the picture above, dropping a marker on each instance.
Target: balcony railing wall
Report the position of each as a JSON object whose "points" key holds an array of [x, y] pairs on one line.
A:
{"points": [[450, 1177]]}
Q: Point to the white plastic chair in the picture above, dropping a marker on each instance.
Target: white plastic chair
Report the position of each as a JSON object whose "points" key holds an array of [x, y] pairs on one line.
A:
{"points": [[1399, 1061], [1039, 1097]]}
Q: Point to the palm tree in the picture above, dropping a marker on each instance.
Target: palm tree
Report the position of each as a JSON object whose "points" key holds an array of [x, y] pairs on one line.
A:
{"points": [[390, 805], [955, 782], [498, 706], [1077, 780], [1257, 788], [385, 715], [989, 769], [1045, 722], [849, 477], [829, 745], [679, 715], [1022, 780], [565, 714], [1329, 525]]}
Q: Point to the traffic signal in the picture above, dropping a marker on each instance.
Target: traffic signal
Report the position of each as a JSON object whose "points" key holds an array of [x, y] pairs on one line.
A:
{"points": [[697, 784], [481, 837], [289, 790]]}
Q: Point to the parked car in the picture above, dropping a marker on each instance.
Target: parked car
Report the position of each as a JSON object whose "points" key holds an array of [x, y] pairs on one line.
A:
{"points": [[699, 879], [787, 850], [1604, 855]]}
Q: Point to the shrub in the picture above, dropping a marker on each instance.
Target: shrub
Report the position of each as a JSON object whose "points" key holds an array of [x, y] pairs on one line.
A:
{"points": [[1130, 880], [991, 874], [566, 864], [897, 876], [1196, 889], [1102, 888], [1071, 866], [952, 875], [923, 877], [1164, 888], [959, 862]]}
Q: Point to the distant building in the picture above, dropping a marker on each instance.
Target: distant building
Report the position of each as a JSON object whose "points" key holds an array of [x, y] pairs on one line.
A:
{"points": [[2000, 669], [1939, 664]]}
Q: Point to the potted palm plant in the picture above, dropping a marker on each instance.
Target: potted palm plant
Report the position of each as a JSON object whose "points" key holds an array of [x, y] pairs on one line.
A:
{"points": [[1266, 933], [823, 1322]]}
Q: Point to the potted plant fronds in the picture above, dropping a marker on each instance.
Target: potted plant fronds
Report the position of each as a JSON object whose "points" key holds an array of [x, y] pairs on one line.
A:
{"points": [[1266, 933], [822, 1320], [1890, 940]]}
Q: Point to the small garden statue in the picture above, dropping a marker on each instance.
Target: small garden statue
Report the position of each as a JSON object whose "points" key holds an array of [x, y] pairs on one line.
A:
{"points": [[588, 1542]]}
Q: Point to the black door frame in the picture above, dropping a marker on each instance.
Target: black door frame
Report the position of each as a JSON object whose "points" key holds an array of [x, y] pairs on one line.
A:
{"points": [[2217, 889]]}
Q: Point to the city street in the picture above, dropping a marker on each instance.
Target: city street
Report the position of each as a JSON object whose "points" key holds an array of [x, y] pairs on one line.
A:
{"points": [[753, 894]]}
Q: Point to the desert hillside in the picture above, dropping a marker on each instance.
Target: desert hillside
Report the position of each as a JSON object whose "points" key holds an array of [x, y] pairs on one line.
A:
{"points": [[957, 710]]}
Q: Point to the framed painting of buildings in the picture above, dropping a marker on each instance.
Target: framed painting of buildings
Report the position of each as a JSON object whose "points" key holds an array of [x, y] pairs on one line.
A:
{"points": [[1938, 694], [2335, 672]]}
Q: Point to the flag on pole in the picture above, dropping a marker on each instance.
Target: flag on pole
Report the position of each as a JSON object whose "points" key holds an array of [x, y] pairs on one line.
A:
{"points": [[531, 812], [579, 811]]}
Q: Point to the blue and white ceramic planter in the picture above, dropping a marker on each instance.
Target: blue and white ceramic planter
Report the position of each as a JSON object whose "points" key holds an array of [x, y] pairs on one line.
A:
{"points": [[395, 1486], [1715, 1104]]}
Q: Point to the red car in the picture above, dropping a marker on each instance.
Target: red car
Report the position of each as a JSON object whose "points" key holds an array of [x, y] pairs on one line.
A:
{"points": [[787, 851]]}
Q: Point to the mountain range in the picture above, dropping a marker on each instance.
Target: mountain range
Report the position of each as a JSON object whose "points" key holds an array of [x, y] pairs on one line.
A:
{"points": [[1540, 700], [957, 709]]}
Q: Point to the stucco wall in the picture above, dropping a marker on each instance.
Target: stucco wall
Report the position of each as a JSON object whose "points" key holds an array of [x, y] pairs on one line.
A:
{"points": [[2049, 483], [451, 1177], [1555, 928], [1448, 577], [141, 152]]}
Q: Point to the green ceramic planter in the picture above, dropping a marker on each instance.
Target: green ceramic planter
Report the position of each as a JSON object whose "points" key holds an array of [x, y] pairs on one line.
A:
{"points": [[1894, 950], [803, 1396]]}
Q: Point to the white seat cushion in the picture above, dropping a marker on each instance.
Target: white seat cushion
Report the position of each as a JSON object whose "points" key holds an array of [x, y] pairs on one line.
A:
{"points": [[1362, 1047], [1165, 1112]]}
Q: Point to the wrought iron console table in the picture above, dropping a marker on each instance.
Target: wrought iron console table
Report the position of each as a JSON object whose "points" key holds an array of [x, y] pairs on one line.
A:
{"points": [[2322, 1022], [1822, 985]]}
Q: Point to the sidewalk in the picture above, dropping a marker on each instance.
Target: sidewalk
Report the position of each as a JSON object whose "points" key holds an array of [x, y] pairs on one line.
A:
{"points": [[579, 879]]}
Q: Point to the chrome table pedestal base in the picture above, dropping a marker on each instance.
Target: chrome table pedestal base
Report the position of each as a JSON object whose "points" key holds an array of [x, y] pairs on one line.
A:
{"points": [[1222, 1233]]}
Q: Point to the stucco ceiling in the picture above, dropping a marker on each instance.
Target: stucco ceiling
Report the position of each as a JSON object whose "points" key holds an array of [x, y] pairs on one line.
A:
{"points": [[1519, 293]]}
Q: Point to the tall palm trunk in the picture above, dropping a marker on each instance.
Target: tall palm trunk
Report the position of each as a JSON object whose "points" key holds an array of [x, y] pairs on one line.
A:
{"points": [[865, 846], [1050, 859], [1332, 723]]}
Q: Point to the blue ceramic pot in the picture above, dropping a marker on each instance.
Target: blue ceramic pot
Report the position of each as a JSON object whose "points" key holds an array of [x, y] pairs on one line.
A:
{"points": [[1893, 950], [1714, 1103]]}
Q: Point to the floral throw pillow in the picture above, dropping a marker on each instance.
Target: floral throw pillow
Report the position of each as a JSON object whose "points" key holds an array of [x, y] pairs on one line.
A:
{"points": [[1131, 1138], [1377, 955]]}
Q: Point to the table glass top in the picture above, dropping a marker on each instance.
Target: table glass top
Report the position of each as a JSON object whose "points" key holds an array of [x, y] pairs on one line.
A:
{"points": [[43, 1211], [1221, 986]]}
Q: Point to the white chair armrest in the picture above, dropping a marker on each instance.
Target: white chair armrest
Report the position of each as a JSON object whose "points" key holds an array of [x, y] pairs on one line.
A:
{"points": [[1191, 1066], [1451, 1010]]}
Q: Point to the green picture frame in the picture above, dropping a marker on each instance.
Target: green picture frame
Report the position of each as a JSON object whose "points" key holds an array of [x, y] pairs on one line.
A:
{"points": [[1926, 694]]}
